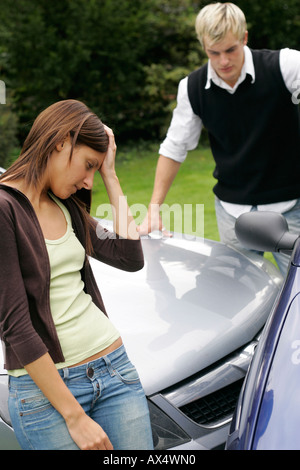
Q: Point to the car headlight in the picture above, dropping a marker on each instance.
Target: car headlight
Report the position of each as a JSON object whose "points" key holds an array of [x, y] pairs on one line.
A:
{"points": [[166, 433]]}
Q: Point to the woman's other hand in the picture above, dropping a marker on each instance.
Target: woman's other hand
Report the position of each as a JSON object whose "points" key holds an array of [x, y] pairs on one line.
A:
{"points": [[87, 434]]}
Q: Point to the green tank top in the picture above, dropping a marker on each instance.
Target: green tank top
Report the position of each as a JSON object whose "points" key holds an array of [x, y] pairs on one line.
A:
{"points": [[82, 328]]}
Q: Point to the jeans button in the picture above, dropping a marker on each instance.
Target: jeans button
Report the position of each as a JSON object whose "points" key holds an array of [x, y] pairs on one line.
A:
{"points": [[90, 372]]}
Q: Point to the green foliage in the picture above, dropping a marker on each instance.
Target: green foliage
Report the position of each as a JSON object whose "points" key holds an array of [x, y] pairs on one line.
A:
{"points": [[8, 132], [272, 24], [124, 58], [97, 51]]}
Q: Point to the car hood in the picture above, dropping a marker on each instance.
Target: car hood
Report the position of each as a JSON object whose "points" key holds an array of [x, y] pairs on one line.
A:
{"points": [[194, 302]]}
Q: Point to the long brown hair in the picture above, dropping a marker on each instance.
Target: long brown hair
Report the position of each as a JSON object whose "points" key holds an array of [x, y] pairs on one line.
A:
{"points": [[49, 129], [68, 117]]}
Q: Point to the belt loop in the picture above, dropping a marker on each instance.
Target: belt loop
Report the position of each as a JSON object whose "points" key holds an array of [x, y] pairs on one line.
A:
{"points": [[66, 372], [109, 365]]}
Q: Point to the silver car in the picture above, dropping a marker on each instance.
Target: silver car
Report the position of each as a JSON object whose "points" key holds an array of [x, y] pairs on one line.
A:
{"points": [[190, 321]]}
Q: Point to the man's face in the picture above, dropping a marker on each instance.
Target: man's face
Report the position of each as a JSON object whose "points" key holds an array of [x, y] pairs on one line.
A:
{"points": [[227, 57]]}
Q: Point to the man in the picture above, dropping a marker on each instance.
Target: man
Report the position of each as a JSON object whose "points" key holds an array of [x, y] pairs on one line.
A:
{"points": [[244, 98]]}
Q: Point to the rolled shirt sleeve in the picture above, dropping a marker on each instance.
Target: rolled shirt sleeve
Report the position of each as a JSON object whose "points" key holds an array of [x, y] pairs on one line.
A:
{"points": [[185, 128], [290, 69]]}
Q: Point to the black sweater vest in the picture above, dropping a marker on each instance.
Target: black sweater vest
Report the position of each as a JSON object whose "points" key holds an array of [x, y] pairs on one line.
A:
{"points": [[254, 134]]}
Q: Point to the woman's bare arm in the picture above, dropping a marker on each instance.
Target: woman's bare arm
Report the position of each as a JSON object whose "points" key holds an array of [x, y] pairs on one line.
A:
{"points": [[124, 224]]}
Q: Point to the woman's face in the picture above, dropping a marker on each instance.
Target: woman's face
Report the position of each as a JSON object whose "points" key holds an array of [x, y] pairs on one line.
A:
{"points": [[66, 176]]}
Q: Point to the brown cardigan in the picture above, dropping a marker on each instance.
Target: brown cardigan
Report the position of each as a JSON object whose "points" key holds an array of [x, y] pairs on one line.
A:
{"points": [[26, 325]]}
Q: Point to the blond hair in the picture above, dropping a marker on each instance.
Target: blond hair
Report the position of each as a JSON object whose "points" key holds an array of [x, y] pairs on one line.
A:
{"points": [[214, 21]]}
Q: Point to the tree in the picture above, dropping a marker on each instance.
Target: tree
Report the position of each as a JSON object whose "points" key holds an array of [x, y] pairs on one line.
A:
{"points": [[123, 58], [272, 24], [96, 51]]}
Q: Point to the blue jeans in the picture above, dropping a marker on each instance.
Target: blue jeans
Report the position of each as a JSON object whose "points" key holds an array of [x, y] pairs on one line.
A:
{"points": [[108, 389], [226, 223]]}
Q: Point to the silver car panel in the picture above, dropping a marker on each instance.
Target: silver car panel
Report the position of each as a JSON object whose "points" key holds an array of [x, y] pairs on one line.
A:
{"points": [[194, 303]]}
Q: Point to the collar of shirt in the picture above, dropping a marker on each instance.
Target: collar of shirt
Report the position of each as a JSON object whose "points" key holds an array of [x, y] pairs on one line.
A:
{"points": [[248, 68]]}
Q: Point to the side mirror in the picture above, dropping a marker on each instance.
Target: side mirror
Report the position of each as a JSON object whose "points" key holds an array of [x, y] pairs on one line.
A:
{"points": [[265, 231]]}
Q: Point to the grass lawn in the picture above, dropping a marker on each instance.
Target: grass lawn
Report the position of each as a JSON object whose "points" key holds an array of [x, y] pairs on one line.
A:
{"points": [[193, 185]]}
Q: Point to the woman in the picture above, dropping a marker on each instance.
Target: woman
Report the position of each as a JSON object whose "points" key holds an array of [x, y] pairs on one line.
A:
{"points": [[71, 383]]}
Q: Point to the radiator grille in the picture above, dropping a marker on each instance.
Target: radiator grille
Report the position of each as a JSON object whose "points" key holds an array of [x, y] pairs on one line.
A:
{"points": [[214, 408]]}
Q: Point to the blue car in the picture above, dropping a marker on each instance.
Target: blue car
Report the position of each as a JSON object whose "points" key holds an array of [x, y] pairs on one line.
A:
{"points": [[267, 415]]}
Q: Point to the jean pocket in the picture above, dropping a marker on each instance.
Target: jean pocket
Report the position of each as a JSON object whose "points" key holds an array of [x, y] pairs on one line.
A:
{"points": [[34, 406], [127, 373]]}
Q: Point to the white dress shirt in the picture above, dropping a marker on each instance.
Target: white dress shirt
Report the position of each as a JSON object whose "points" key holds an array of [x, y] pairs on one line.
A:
{"points": [[185, 128]]}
